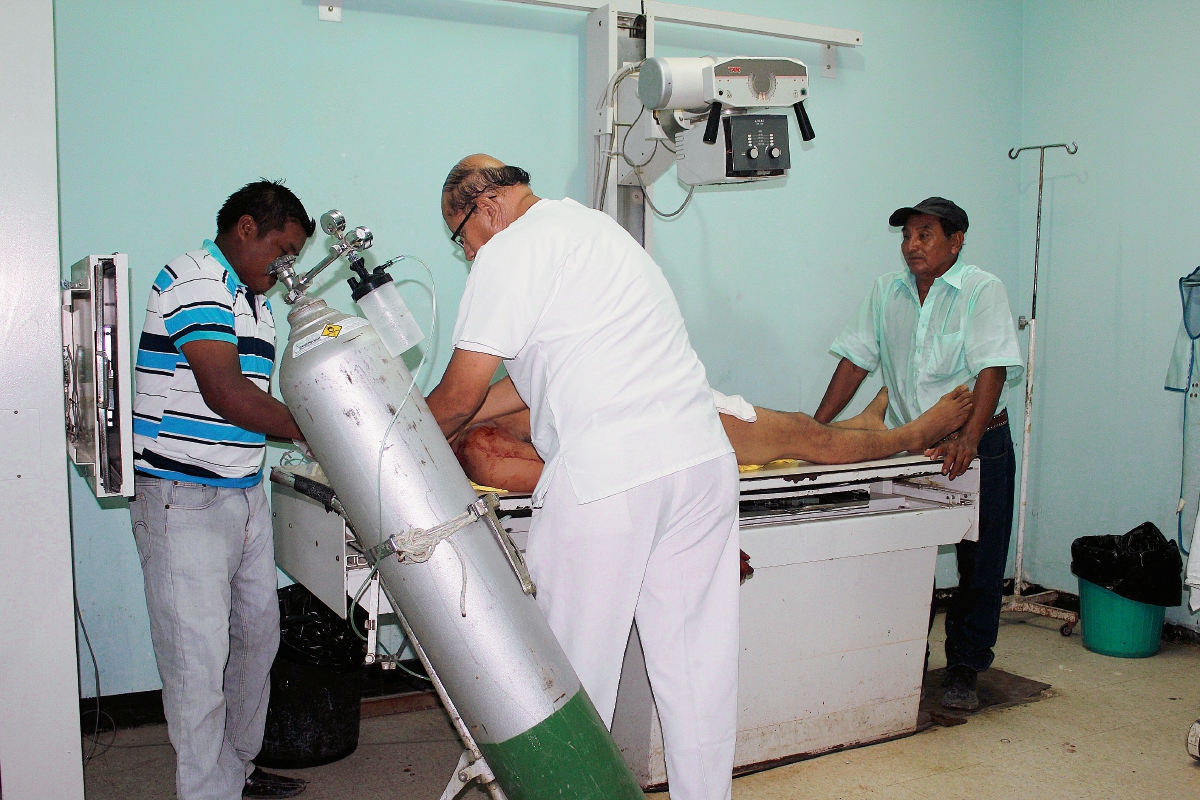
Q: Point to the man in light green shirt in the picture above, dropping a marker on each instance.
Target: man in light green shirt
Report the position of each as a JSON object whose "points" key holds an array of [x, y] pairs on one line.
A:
{"points": [[930, 328]]}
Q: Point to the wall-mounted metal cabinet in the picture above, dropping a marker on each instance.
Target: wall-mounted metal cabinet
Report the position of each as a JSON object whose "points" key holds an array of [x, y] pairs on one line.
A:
{"points": [[97, 376]]}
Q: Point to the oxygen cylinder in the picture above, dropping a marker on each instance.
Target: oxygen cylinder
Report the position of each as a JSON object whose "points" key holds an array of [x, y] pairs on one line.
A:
{"points": [[488, 641]]}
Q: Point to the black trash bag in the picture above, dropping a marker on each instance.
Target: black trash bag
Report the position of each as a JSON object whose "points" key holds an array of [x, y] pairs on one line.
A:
{"points": [[316, 685], [311, 633], [1142, 565]]}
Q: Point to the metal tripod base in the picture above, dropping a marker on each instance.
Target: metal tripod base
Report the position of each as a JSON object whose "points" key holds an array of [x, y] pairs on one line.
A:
{"points": [[472, 767], [469, 770], [1042, 605]]}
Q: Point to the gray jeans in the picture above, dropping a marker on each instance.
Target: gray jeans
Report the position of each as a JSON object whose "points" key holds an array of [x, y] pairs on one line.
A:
{"points": [[209, 564]]}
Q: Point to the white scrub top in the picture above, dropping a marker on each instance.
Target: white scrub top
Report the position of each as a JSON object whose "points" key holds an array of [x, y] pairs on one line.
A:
{"points": [[595, 344]]}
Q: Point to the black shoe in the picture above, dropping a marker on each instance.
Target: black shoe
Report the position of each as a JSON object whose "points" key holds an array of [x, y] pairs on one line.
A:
{"points": [[268, 784], [958, 689]]}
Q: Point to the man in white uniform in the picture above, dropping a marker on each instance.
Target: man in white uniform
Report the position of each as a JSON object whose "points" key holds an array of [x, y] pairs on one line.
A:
{"points": [[636, 511]]}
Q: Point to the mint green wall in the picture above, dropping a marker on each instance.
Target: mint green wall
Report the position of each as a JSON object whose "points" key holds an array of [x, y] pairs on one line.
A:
{"points": [[1118, 232], [164, 109], [768, 276]]}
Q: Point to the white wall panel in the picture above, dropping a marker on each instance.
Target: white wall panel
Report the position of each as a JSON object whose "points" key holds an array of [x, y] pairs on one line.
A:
{"points": [[39, 690]]}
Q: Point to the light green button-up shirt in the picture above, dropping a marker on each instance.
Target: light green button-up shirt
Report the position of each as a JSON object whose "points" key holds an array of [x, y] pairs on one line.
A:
{"points": [[927, 349]]}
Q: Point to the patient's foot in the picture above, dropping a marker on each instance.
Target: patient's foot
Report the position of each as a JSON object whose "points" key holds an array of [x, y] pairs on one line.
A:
{"points": [[871, 418], [947, 415], [872, 415]]}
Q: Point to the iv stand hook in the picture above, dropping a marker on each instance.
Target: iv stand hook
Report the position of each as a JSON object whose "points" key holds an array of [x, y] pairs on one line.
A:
{"points": [[1071, 148]]}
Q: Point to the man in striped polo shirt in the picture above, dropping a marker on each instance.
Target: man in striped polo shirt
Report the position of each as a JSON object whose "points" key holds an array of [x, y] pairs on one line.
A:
{"points": [[202, 414]]}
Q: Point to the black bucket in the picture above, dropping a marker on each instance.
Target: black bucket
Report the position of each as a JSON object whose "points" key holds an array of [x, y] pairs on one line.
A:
{"points": [[316, 685]]}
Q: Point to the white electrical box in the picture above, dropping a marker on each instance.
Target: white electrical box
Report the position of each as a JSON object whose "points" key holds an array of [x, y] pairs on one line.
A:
{"points": [[97, 377]]}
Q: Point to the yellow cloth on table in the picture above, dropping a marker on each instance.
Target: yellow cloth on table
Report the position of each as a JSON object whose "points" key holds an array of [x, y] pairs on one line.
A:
{"points": [[780, 462]]}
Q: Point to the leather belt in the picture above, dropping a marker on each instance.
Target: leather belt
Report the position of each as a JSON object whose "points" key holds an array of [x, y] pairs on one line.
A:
{"points": [[998, 420]]}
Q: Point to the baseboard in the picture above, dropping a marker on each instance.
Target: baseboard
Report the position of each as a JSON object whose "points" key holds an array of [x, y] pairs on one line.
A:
{"points": [[1180, 634], [131, 710], [1065, 601]]}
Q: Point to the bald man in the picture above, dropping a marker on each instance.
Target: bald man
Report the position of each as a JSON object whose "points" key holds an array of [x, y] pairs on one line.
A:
{"points": [[636, 510]]}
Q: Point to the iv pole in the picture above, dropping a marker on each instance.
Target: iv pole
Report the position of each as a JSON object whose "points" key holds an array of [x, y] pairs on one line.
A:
{"points": [[1041, 604]]}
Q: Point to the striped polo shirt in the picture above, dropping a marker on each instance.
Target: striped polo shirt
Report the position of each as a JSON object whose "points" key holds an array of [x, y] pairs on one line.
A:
{"points": [[175, 434]]}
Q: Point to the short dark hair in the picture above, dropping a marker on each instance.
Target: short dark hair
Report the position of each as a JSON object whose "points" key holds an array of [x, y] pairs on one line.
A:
{"points": [[464, 185], [269, 203]]}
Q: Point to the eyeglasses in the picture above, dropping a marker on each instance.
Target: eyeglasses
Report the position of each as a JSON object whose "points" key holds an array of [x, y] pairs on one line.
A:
{"points": [[456, 237]]}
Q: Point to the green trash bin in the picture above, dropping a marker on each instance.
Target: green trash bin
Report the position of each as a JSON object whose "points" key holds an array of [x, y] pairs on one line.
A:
{"points": [[1126, 584], [1116, 626]]}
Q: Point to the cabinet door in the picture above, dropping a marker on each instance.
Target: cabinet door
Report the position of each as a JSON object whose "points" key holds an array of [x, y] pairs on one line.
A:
{"points": [[97, 377]]}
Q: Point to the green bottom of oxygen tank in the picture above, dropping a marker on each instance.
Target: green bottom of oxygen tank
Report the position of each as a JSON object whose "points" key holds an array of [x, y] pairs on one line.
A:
{"points": [[570, 754]]}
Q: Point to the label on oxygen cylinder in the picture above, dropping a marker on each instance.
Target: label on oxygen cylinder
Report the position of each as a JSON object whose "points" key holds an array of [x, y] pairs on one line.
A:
{"points": [[326, 334]]}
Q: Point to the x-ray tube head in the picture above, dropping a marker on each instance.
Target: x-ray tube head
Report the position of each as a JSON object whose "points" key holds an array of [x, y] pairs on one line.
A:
{"points": [[739, 82], [673, 82]]}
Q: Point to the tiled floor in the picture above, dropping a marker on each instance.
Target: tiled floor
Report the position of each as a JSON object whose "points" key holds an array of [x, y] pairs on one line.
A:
{"points": [[1111, 728]]}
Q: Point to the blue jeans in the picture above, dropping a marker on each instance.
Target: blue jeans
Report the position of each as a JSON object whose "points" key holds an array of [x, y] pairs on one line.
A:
{"points": [[973, 618], [208, 559]]}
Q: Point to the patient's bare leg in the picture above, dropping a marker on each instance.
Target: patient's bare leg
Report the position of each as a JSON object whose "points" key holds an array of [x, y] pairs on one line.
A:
{"points": [[781, 434], [871, 418], [499, 454]]}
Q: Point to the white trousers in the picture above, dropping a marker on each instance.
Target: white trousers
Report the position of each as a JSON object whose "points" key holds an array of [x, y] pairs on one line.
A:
{"points": [[666, 554]]}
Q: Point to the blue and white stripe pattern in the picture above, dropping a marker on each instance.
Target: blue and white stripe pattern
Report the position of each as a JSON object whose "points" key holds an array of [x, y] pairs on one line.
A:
{"points": [[175, 434]]}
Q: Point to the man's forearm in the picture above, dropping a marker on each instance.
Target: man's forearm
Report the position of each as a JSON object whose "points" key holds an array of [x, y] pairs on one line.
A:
{"points": [[453, 414], [988, 386], [462, 391], [958, 451], [247, 406], [845, 382], [502, 399], [218, 372]]}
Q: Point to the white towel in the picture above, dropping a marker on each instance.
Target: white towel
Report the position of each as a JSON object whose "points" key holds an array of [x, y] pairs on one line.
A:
{"points": [[735, 406]]}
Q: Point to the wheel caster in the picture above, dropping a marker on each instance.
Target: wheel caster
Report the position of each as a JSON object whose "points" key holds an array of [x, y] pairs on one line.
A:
{"points": [[1067, 628]]}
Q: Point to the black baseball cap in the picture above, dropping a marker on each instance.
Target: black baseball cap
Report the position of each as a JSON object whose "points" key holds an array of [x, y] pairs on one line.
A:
{"points": [[940, 207]]}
